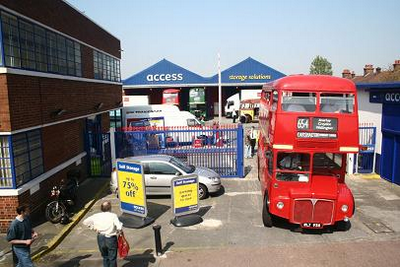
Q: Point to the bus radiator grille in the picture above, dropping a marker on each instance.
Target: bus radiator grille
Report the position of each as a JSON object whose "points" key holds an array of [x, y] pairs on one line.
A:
{"points": [[313, 210]]}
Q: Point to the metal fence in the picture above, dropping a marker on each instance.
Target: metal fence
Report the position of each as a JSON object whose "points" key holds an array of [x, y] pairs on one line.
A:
{"points": [[366, 155], [98, 148], [218, 148]]}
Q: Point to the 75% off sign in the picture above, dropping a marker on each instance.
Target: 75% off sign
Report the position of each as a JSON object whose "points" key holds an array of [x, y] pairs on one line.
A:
{"points": [[131, 188]]}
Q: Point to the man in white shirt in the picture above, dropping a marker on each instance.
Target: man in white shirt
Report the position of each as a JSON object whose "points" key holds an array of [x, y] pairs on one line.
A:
{"points": [[253, 138], [107, 226]]}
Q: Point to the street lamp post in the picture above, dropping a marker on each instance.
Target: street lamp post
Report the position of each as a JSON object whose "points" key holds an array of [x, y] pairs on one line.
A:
{"points": [[219, 91]]}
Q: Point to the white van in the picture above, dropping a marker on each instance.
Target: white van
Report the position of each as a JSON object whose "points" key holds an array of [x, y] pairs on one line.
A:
{"points": [[163, 116], [158, 115]]}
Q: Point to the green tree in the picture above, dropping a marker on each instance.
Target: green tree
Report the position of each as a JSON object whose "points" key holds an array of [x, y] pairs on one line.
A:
{"points": [[321, 65]]}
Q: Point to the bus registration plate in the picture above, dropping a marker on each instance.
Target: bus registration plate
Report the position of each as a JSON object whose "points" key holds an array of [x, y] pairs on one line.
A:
{"points": [[312, 225]]}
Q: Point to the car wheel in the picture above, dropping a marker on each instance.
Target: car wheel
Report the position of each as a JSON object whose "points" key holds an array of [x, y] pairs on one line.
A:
{"points": [[203, 192], [266, 216]]}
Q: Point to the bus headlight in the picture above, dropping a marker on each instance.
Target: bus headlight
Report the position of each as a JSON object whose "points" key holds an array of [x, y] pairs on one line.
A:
{"points": [[345, 208], [280, 205]]}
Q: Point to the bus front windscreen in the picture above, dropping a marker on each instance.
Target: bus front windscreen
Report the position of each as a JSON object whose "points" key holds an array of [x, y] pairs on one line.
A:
{"points": [[293, 167]]}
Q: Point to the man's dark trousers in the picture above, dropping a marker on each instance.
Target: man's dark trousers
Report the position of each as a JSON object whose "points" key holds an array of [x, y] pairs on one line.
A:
{"points": [[108, 247]]}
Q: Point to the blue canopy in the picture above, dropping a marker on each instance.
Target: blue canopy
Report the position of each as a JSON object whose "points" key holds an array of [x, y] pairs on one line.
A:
{"points": [[164, 73], [249, 71]]}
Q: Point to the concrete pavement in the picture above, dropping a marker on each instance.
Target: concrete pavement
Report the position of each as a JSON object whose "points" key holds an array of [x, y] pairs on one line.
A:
{"points": [[50, 235], [232, 233]]}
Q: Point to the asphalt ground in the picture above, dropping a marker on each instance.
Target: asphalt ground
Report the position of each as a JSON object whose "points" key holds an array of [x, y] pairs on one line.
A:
{"points": [[232, 233]]}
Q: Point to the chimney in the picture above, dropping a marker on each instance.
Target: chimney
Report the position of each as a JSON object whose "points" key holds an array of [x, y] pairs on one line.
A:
{"points": [[353, 75], [396, 65], [378, 70], [346, 74], [368, 69]]}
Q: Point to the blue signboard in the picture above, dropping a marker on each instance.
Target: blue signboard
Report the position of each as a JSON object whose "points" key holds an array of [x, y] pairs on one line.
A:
{"points": [[248, 71], [388, 97], [164, 73]]}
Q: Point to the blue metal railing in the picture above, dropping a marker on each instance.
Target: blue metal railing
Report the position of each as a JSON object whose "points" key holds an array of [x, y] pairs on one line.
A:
{"points": [[218, 148], [366, 154]]}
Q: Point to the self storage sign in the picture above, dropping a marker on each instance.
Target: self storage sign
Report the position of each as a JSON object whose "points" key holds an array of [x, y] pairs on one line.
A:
{"points": [[185, 194], [131, 188]]}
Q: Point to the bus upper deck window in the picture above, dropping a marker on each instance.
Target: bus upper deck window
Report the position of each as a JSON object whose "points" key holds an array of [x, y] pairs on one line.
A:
{"points": [[299, 102], [336, 103]]}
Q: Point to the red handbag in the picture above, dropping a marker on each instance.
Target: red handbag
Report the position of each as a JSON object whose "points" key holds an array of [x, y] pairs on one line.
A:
{"points": [[123, 246]]}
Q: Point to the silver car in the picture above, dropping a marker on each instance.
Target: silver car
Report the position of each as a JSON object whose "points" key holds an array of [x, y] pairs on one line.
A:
{"points": [[160, 169]]}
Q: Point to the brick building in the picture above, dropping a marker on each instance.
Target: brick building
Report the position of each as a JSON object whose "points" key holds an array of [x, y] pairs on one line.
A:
{"points": [[59, 78]]}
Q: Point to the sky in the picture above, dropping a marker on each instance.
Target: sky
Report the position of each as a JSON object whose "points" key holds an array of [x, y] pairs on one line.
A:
{"points": [[283, 34]]}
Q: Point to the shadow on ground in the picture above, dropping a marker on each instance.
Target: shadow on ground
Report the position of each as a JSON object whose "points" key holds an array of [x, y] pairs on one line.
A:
{"points": [[140, 260], [247, 170], [75, 262], [219, 193], [156, 210]]}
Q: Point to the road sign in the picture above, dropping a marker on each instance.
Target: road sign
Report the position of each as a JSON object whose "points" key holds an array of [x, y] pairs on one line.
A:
{"points": [[131, 188], [185, 194]]}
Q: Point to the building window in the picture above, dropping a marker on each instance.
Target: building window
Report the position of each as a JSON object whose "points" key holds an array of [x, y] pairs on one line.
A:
{"points": [[27, 155], [62, 55], [6, 175], [115, 119], [78, 60], [106, 67], [51, 41], [31, 47], [26, 34], [11, 40], [40, 45]]}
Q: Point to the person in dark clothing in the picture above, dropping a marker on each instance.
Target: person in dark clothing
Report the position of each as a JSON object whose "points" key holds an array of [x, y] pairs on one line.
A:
{"points": [[253, 138], [234, 115], [21, 235]]}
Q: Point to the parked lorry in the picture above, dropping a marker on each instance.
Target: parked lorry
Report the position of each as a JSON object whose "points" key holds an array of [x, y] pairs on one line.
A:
{"points": [[171, 96], [233, 102], [197, 102]]}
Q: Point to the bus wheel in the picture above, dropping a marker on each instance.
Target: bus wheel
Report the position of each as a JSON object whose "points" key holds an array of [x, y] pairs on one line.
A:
{"points": [[343, 226], [266, 216]]}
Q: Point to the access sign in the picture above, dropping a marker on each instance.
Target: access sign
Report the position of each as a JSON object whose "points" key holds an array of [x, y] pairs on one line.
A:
{"points": [[131, 188], [185, 194]]}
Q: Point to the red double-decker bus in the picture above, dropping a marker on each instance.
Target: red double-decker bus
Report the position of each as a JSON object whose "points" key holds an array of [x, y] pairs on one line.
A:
{"points": [[308, 125]]}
